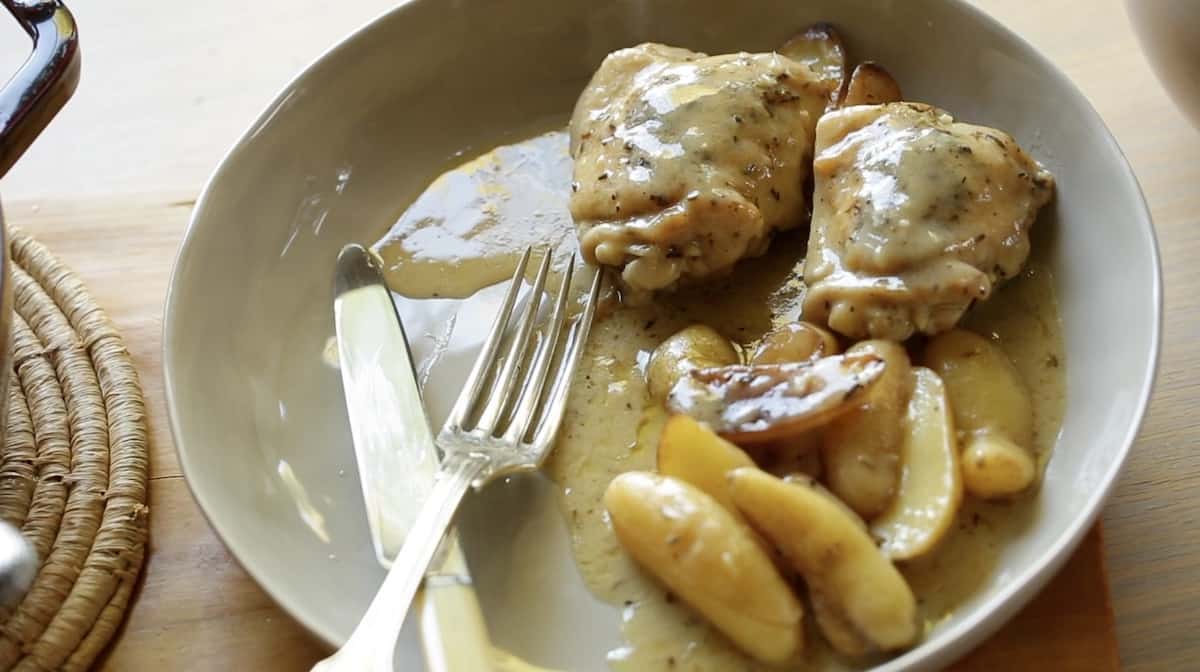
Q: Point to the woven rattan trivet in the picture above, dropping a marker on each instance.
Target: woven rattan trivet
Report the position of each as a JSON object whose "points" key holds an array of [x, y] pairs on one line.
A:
{"points": [[74, 467]]}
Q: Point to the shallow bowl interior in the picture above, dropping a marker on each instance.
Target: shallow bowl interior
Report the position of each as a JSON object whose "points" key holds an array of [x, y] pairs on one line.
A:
{"points": [[257, 410]]}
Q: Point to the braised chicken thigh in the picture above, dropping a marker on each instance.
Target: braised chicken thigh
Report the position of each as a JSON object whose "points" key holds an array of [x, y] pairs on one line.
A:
{"points": [[686, 163], [915, 216]]}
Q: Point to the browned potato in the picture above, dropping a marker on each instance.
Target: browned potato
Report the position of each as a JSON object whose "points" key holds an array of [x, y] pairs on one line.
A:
{"points": [[992, 411], [860, 449], [996, 468], [820, 48], [800, 456], [693, 453], [930, 493], [840, 634], [795, 342], [810, 482], [830, 548], [768, 402], [710, 559], [694, 347], [870, 85], [832, 624]]}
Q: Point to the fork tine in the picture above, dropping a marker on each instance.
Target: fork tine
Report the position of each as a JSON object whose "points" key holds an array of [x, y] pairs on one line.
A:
{"points": [[502, 387], [531, 393], [556, 402], [468, 398]]}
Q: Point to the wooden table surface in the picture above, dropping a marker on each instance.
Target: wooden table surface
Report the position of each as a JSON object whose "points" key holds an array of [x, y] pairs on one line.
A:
{"points": [[167, 87]]}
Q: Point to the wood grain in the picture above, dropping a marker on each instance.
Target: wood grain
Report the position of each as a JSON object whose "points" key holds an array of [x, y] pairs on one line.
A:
{"points": [[109, 190]]}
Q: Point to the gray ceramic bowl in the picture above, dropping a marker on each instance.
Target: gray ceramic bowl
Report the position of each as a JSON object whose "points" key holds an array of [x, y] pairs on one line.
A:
{"points": [[257, 412]]}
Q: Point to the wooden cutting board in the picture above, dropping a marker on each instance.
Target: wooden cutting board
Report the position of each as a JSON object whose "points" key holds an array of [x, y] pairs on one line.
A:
{"points": [[198, 610]]}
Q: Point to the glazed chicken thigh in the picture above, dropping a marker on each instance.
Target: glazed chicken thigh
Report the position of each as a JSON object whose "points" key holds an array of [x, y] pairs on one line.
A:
{"points": [[686, 163], [915, 216]]}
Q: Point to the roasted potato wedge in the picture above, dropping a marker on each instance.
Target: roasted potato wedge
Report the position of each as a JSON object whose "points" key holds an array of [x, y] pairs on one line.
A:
{"points": [[709, 558], [834, 554], [695, 454], [820, 48], [930, 493], [996, 468], [840, 634], [870, 84], [795, 342], [769, 402], [800, 456], [691, 348], [992, 411], [811, 482], [860, 450]]}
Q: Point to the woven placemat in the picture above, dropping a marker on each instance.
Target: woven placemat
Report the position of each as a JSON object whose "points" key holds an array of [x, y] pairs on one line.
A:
{"points": [[74, 468]]}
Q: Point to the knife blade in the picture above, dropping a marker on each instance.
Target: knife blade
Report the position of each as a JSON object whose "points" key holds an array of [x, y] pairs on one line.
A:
{"points": [[397, 456], [393, 443]]}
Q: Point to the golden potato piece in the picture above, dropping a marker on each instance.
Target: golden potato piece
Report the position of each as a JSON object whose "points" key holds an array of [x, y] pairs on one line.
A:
{"points": [[768, 402], [795, 342], [811, 482], [694, 347], [820, 49], [992, 412], [800, 456], [870, 84], [834, 554], [840, 634], [931, 487], [984, 387], [694, 453], [709, 558], [860, 449], [994, 467]]}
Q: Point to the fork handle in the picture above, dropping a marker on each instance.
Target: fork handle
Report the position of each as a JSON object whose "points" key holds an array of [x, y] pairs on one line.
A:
{"points": [[372, 644]]}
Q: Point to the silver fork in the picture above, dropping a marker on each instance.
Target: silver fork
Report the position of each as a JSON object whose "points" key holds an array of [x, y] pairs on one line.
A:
{"points": [[517, 420]]}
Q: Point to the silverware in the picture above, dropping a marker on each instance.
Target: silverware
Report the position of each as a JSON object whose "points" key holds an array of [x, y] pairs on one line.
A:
{"points": [[393, 443], [397, 459], [501, 423]]}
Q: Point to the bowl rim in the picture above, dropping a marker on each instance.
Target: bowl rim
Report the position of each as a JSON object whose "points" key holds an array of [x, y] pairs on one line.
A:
{"points": [[960, 638]]}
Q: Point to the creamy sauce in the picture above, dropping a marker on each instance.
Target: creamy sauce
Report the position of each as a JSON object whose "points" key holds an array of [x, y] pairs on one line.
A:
{"points": [[469, 227], [610, 427]]}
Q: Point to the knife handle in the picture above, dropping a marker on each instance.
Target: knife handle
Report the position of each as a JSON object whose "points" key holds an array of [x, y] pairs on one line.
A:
{"points": [[453, 633]]}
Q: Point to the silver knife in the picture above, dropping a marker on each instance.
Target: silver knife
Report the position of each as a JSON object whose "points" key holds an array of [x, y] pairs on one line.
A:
{"points": [[393, 444], [397, 457]]}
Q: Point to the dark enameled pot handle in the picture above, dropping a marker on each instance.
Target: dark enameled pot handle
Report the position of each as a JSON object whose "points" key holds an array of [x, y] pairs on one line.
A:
{"points": [[47, 79], [27, 103]]}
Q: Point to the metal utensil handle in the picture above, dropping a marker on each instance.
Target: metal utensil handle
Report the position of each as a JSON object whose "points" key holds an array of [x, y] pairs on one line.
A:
{"points": [[372, 645], [45, 81], [453, 632]]}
